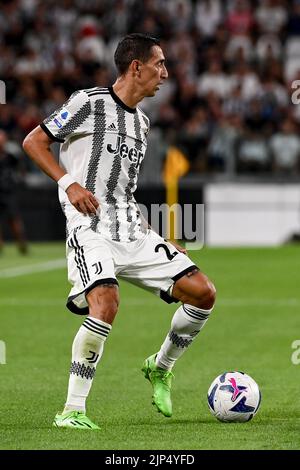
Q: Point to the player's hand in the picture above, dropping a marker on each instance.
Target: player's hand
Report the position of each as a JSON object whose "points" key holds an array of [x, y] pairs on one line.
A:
{"points": [[82, 199], [179, 248]]}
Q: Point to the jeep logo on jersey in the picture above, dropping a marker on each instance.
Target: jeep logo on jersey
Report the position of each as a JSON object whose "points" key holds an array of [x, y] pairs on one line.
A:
{"points": [[124, 151]]}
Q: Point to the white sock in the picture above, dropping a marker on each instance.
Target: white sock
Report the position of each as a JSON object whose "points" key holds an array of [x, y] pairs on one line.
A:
{"points": [[186, 324], [87, 350]]}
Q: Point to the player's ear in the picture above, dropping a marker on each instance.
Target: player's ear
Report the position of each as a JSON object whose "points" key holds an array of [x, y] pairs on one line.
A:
{"points": [[136, 67]]}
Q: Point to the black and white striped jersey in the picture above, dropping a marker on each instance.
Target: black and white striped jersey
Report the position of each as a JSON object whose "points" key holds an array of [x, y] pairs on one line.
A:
{"points": [[103, 143]]}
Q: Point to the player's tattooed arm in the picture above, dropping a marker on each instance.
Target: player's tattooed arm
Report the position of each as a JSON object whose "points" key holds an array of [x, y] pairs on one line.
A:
{"points": [[37, 146]]}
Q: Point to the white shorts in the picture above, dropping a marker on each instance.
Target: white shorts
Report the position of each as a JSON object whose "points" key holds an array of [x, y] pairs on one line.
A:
{"points": [[150, 263]]}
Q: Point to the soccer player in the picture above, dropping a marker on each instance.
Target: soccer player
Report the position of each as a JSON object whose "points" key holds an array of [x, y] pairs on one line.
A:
{"points": [[103, 136]]}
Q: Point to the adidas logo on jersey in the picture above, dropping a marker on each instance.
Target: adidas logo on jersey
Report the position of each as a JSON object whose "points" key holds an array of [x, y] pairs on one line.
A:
{"points": [[112, 127]]}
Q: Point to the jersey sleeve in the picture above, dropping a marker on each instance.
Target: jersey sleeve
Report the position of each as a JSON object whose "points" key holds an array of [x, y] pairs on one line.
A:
{"points": [[70, 119]]}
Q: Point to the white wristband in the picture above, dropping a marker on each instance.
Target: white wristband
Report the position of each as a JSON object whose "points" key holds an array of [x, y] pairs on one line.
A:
{"points": [[65, 181]]}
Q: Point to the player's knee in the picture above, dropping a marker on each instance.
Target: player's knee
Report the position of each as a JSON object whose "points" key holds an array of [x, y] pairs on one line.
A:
{"points": [[103, 303], [104, 309], [205, 296]]}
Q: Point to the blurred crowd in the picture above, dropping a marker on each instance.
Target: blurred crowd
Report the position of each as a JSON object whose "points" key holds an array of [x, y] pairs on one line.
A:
{"points": [[232, 67]]}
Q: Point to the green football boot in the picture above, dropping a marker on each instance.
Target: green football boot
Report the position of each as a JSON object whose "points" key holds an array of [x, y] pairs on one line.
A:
{"points": [[73, 420], [161, 380]]}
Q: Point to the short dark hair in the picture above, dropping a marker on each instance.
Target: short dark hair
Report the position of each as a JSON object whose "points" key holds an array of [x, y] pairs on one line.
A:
{"points": [[131, 47]]}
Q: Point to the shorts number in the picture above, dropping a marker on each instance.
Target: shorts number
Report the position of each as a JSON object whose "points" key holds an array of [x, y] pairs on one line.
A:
{"points": [[170, 255]]}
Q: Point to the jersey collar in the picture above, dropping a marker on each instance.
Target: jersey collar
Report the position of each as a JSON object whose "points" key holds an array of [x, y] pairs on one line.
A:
{"points": [[120, 102]]}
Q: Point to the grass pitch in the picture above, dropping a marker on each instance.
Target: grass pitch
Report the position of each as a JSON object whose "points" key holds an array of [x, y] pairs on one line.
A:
{"points": [[255, 321]]}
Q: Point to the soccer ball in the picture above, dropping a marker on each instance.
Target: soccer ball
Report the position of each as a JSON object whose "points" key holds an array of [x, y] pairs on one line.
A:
{"points": [[233, 397]]}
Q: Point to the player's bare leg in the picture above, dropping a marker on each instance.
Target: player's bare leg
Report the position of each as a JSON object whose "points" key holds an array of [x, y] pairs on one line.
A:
{"points": [[196, 289], [197, 294], [87, 350], [103, 302]]}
